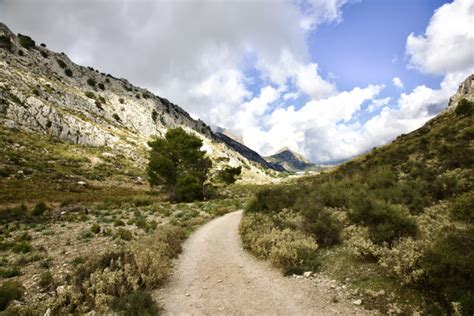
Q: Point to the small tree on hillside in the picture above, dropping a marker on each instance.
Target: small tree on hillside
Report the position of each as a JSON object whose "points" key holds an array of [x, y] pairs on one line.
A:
{"points": [[177, 163], [229, 175]]}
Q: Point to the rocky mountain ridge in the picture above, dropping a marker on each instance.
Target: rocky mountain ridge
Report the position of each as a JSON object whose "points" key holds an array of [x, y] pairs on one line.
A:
{"points": [[45, 92], [290, 160]]}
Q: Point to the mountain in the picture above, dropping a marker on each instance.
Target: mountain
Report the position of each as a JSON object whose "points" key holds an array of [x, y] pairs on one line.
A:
{"points": [[45, 93], [398, 219], [291, 160]]}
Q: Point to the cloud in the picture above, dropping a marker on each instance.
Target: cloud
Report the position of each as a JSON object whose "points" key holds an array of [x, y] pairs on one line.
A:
{"points": [[448, 43], [246, 65], [397, 82]]}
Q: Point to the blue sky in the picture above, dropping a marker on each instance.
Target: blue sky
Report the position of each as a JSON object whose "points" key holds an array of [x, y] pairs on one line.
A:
{"points": [[361, 49], [330, 79]]}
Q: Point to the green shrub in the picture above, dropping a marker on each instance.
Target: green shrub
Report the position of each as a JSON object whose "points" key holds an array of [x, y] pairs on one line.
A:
{"points": [[44, 54], [91, 82], [9, 291], [61, 63], [449, 269], [20, 53], [386, 222], [101, 86], [462, 208], [95, 228], [10, 273], [5, 42], [90, 94], [22, 247], [272, 200], [36, 92], [101, 99], [26, 41], [46, 279], [465, 108], [39, 209], [121, 100], [68, 72], [116, 117], [287, 249], [18, 213], [317, 222], [124, 234], [138, 303], [154, 115], [118, 222], [98, 104]]}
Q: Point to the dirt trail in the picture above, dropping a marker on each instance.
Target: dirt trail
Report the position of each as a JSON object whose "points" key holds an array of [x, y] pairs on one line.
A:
{"points": [[215, 276]]}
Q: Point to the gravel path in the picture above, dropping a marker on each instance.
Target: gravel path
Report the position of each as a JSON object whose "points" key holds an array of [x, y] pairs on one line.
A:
{"points": [[215, 276]]}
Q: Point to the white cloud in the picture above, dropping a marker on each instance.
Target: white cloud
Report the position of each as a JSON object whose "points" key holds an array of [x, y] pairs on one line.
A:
{"points": [[197, 53], [448, 43], [397, 82]]}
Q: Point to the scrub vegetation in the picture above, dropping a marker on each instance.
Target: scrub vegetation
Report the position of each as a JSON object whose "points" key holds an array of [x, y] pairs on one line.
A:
{"points": [[404, 210]]}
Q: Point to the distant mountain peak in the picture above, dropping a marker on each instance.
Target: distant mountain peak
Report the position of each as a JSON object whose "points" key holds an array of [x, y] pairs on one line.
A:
{"points": [[290, 160]]}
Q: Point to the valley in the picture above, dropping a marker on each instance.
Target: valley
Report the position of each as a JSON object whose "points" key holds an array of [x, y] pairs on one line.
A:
{"points": [[83, 229]]}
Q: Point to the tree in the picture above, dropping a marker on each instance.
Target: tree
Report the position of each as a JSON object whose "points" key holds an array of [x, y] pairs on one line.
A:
{"points": [[229, 175], [177, 163]]}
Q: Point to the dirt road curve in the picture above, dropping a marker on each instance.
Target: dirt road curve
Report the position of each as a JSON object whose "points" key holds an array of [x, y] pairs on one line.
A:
{"points": [[215, 276]]}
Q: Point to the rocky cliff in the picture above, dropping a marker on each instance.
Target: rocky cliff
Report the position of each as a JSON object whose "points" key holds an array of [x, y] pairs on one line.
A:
{"points": [[45, 92], [290, 160]]}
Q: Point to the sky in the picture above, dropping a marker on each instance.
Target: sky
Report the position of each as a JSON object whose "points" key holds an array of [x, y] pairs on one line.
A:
{"points": [[330, 79]]}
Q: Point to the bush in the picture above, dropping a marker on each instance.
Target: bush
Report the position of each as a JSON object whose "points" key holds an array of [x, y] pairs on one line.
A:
{"points": [[101, 86], [124, 234], [10, 273], [9, 291], [20, 53], [91, 82], [61, 63], [317, 222], [462, 208], [44, 54], [68, 72], [188, 189], [22, 247], [121, 100], [272, 200], [90, 94], [18, 213], [137, 303], [46, 279], [39, 209], [5, 42], [287, 249], [386, 222], [465, 108], [26, 41], [95, 228], [116, 117], [449, 269], [154, 115]]}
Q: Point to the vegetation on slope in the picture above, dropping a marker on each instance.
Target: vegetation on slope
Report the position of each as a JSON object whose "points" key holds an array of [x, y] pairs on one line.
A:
{"points": [[406, 207]]}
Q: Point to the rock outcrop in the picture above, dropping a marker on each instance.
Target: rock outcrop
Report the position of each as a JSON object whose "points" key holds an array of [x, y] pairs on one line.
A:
{"points": [[45, 92]]}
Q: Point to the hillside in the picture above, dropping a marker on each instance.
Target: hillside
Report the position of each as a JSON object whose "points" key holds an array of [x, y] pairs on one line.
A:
{"points": [[291, 161], [44, 92], [394, 226]]}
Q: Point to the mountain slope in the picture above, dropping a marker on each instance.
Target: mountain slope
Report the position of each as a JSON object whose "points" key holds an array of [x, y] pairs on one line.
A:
{"points": [[399, 219], [45, 92], [290, 160]]}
